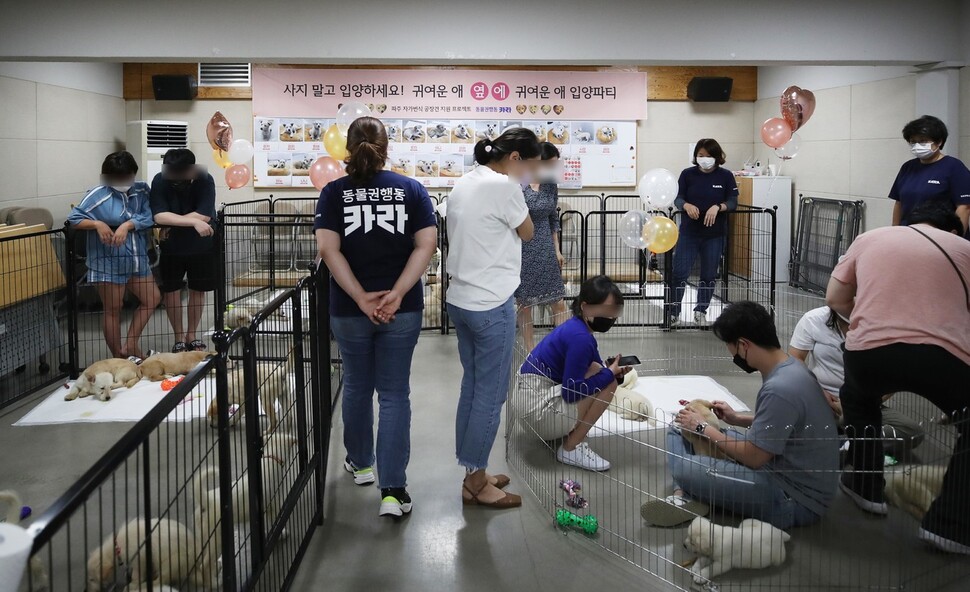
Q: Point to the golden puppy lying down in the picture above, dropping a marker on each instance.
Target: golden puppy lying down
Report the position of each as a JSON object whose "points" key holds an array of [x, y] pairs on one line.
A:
{"points": [[161, 366]]}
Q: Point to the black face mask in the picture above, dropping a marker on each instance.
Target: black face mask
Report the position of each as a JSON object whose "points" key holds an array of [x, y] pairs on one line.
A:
{"points": [[601, 324], [743, 364]]}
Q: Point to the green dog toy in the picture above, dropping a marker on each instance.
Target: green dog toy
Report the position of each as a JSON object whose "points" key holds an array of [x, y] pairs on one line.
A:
{"points": [[587, 524]]}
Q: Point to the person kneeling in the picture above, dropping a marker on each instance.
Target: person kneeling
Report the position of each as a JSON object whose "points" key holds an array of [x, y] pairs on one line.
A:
{"points": [[569, 384], [784, 470]]}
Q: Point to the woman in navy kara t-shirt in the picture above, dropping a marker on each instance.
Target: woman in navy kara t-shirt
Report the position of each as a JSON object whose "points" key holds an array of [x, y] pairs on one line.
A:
{"points": [[931, 175], [376, 231], [706, 192]]}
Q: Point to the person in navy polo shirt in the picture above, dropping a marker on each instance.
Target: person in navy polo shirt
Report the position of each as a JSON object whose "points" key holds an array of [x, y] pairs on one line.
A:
{"points": [[932, 175], [706, 192], [376, 231]]}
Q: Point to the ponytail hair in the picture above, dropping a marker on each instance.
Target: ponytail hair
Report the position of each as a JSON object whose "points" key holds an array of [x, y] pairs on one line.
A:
{"points": [[517, 139], [367, 145]]}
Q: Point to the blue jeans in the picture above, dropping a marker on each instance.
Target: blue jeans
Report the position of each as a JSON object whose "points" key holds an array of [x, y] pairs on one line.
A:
{"points": [[688, 247], [485, 342], [378, 357], [733, 486]]}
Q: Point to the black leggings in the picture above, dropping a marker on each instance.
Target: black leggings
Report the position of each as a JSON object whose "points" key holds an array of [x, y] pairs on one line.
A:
{"points": [[936, 375]]}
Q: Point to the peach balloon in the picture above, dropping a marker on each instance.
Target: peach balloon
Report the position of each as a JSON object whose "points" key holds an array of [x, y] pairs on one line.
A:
{"points": [[324, 170], [237, 176], [219, 132], [776, 132]]}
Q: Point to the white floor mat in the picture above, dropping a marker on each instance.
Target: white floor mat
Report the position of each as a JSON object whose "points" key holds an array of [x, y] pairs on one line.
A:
{"points": [[665, 393]]}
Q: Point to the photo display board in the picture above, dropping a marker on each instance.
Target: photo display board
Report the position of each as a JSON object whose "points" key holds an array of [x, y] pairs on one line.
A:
{"points": [[435, 117]]}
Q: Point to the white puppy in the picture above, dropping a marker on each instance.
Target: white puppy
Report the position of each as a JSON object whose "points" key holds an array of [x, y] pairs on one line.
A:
{"points": [[101, 377], [915, 488], [752, 545]]}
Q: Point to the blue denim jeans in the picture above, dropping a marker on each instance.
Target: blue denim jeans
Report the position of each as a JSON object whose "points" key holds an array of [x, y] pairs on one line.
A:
{"points": [[733, 486], [689, 246], [485, 343], [378, 357]]}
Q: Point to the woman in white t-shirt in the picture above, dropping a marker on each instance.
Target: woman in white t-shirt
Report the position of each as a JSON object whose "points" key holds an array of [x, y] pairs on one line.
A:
{"points": [[487, 222], [821, 332]]}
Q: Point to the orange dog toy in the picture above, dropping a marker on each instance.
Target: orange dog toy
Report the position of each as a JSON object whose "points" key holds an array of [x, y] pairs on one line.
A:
{"points": [[169, 383]]}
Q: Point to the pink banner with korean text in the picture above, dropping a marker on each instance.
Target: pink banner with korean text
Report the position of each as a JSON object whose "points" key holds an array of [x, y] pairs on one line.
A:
{"points": [[453, 94]]}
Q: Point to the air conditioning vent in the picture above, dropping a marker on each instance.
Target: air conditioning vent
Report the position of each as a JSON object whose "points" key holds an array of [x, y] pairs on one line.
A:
{"points": [[236, 75], [166, 135]]}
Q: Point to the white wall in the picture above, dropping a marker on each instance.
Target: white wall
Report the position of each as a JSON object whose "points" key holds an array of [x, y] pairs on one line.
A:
{"points": [[53, 134], [472, 31], [851, 148]]}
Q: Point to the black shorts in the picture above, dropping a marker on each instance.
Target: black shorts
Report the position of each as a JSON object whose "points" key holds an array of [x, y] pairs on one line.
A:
{"points": [[201, 271]]}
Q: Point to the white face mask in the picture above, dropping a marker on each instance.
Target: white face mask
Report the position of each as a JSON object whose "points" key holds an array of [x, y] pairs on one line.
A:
{"points": [[922, 151], [121, 188], [705, 162]]}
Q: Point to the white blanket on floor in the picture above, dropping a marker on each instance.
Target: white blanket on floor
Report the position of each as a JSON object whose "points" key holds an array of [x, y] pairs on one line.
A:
{"points": [[665, 393]]}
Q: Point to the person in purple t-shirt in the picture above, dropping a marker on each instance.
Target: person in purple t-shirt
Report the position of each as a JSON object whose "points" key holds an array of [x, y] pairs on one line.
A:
{"points": [[932, 175], [569, 384], [376, 231], [706, 192]]}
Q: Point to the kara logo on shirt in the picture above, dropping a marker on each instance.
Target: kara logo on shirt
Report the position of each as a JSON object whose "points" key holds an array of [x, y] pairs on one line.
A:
{"points": [[933, 182], [388, 216], [717, 187]]}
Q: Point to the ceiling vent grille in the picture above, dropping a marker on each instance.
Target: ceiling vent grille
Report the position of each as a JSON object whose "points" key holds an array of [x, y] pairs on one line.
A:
{"points": [[165, 134], [225, 75]]}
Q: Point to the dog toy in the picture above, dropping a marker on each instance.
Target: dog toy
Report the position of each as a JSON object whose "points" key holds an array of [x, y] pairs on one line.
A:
{"points": [[587, 524], [169, 383], [572, 489], [25, 513]]}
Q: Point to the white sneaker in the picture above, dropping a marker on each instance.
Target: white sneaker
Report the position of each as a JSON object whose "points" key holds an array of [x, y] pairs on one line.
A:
{"points": [[674, 320], [941, 543], [362, 476], [700, 318], [582, 457]]}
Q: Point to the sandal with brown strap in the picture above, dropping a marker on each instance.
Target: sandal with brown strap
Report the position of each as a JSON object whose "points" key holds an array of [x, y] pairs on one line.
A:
{"points": [[509, 500], [501, 481]]}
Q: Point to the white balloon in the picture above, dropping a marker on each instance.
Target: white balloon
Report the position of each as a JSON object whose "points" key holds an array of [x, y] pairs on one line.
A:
{"points": [[349, 112], [658, 188], [630, 229], [790, 149], [240, 151]]}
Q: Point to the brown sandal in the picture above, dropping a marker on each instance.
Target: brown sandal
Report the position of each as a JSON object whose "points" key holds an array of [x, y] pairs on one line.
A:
{"points": [[501, 481], [510, 500]]}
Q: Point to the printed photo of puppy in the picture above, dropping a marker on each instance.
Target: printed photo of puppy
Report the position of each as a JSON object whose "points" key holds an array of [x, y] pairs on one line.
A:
{"points": [[606, 134], [394, 129], [402, 165], [291, 130], [278, 164], [426, 166], [452, 165], [558, 133], [265, 130], [438, 132], [463, 133], [540, 131], [414, 133], [507, 125], [582, 133], [487, 130], [301, 164], [314, 130]]}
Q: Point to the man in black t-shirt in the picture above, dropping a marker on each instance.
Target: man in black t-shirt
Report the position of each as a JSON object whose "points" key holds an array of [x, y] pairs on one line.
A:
{"points": [[183, 198]]}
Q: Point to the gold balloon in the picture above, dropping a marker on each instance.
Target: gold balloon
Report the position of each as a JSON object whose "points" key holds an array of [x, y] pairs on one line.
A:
{"points": [[335, 142], [663, 234], [221, 158]]}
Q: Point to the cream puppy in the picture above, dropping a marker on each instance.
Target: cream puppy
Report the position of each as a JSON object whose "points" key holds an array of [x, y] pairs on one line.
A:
{"points": [[161, 366], [100, 378], [915, 488], [752, 545]]}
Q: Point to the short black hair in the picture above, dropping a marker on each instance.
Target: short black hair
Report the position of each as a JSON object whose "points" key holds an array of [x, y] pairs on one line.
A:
{"points": [[747, 320], [596, 290], [929, 126], [937, 213], [548, 151], [179, 159], [712, 147], [119, 164]]}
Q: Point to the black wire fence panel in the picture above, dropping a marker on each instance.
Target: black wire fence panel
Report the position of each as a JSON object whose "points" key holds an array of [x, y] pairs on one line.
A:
{"points": [[826, 228], [219, 486]]}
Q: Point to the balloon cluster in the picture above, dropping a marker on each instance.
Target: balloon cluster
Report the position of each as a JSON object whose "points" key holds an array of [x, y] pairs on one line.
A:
{"points": [[329, 168], [658, 189], [230, 154], [797, 107]]}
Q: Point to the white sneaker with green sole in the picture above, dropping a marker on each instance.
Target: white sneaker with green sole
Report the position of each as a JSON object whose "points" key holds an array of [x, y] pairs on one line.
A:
{"points": [[362, 476]]}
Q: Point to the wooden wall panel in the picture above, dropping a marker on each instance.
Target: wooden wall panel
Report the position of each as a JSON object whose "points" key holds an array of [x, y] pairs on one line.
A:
{"points": [[664, 83]]}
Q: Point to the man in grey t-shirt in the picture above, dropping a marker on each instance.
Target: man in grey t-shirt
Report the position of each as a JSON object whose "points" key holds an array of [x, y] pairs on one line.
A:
{"points": [[785, 468]]}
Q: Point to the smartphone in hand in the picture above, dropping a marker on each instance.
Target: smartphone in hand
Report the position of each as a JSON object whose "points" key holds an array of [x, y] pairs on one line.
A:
{"points": [[624, 361]]}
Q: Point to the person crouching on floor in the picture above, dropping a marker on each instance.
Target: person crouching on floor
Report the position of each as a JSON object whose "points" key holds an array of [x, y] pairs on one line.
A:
{"points": [[784, 469], [566, 381]]}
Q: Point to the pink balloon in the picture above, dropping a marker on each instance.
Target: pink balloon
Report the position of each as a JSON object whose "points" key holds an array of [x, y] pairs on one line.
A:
{"points": [[797, 106], [237, 176], [324, 170], [776, 132]]}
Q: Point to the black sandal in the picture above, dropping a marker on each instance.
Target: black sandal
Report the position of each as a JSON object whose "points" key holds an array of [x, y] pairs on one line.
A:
{"points": [[179, 347], [197, 345]]}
